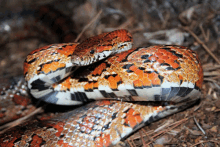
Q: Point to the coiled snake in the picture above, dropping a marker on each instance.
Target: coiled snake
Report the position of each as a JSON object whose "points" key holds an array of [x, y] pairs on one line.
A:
{"points": [[107, 69]]}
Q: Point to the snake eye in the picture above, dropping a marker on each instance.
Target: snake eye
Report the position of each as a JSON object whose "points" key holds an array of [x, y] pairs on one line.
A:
{"points": [[92, 52]]}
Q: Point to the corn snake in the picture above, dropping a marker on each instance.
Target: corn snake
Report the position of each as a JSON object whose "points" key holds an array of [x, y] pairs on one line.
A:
{"points": [[151, 67], [158, 70]]}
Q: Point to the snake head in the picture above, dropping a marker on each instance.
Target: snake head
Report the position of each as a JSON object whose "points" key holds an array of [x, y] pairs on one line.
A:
{"points": [[100, 47], [91, 55]]}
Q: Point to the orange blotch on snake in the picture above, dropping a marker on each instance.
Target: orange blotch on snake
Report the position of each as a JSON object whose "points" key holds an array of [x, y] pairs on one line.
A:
{"points": [[95, 85], [164, 58], [99, 69], [118, 78], [180, 77], [174, 57], [187, 54], [88, 86], [67, 50], [36, 141], [52, 67], [175, 65], [172, 63], [200, 81], [140, 73], [103, 140], [10, 143], [165, 52], [121, 35], [146, 82], [160, 61], [26, 67], [154, 78], [104, 48], [169, 61], [122, 55], [61, 143], [66, 84], [133, 118], [106, 139], [112, 82], [104, 102], [143, 80], [138, 83], [59, 126], [158, 54], [133, 68], [161, 51]]}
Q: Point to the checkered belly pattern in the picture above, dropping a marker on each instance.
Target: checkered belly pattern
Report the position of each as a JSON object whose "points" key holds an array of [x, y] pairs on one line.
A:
{"points": [[105, 67], [63, 74]]}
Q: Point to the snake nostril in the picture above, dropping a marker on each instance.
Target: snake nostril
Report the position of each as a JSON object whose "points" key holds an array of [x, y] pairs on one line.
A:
{"points": [[75, 59]]}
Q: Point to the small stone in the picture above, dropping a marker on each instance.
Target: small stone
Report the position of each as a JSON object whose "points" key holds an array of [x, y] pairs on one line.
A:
{"points": [[214, 129], [213, 108]]}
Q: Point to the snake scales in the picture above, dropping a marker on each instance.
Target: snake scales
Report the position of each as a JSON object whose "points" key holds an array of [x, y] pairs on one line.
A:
{"points": [[171, 74]]}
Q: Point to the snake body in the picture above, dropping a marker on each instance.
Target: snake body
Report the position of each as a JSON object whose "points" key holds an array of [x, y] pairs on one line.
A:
{"points": [[157, 73], [60, 74], [107, 69], [98, 124]]}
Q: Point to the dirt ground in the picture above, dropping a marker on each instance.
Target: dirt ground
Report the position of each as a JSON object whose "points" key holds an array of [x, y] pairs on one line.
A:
{"points": [[191, 23]]}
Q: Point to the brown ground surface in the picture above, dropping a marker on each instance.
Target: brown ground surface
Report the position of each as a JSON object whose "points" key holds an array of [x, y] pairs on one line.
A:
{"points": [[192, 23]]}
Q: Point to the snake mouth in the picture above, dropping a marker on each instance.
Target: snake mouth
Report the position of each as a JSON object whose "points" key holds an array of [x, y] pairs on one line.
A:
{"points": [[76, 60], [83, 61], [87, 60]]}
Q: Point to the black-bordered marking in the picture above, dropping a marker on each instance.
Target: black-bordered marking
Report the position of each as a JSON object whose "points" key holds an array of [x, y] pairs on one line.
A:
{"points": [[173, 92], [104, 94], [132, 92], [39, 85], [50, 97], [182, 91]]}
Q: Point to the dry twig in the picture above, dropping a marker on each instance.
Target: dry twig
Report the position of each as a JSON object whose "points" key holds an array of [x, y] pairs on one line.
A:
{"points": [[142, 139], [88, 25], [20, 120], [214, 141], [198, 125], [202, 43]]}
